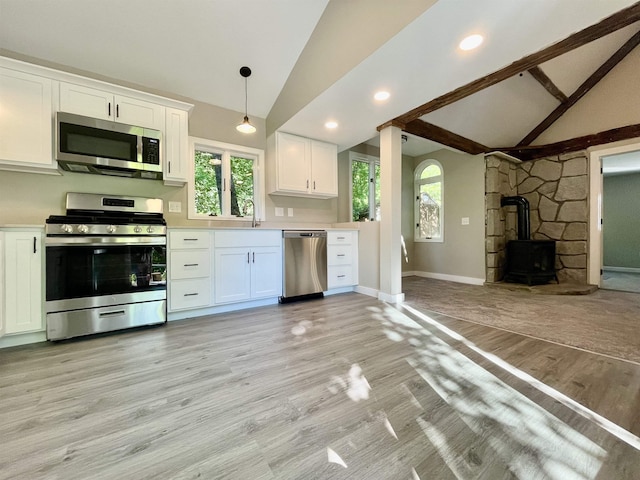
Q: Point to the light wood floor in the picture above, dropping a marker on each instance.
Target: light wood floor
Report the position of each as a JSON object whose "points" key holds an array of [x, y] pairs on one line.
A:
{"points": [[343, 387]]}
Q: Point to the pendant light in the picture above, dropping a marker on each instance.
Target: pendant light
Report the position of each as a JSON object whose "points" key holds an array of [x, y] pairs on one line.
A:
{"points": [[245, 126]]}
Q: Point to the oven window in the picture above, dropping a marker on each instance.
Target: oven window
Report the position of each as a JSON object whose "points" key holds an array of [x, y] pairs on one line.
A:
{"points": [[88, 271]]}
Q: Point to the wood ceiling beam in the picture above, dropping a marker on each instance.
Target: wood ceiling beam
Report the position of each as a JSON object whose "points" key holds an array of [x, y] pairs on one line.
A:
{"points": [[581, 91], [533, 152], [610, 24], [547, 83], [432, 132]]}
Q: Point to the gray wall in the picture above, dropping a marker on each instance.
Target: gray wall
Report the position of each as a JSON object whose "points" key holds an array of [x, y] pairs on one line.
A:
{"points": [[621, 214], [462, 252]]}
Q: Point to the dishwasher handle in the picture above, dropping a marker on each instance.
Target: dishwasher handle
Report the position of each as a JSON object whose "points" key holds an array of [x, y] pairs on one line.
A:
{"points": [[304, 234]]}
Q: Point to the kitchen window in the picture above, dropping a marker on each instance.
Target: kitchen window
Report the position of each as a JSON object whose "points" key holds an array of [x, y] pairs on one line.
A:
{"points": [[365, 187], [226, 181], [429, 198]]}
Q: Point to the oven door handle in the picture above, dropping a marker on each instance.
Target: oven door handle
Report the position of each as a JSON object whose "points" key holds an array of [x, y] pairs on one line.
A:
{"points": [[105, 241]]}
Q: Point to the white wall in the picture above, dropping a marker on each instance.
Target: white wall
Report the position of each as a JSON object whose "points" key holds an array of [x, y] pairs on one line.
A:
{"points": [[612, 103], [461, 255]]}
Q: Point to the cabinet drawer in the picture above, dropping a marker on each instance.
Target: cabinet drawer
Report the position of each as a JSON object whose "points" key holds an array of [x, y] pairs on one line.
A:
{"points": [[190, 293], [248, 238], [189, 264], [339, 238], [339, 255], [339, 276], [188, 239]]}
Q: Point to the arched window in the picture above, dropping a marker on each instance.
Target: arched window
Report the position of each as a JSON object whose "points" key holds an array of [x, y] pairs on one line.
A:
{"points": [[429, 206]]}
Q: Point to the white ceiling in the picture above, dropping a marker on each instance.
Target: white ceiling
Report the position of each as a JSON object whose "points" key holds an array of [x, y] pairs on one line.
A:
{"points": [[195, 48], [192, 48]]}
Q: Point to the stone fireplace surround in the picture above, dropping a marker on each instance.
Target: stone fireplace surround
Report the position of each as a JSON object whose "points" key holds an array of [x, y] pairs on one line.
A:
{"points": [[557, 189]]}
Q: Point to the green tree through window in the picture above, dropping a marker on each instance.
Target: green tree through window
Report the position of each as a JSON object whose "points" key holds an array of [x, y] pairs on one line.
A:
{"points": [[365, 189], [224, 181]]}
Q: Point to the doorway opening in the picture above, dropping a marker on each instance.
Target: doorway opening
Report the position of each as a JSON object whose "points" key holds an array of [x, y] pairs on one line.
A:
{"points": [[615, 222]]}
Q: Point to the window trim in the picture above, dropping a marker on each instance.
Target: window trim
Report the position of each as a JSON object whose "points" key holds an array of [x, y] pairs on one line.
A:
{"points": [[417, 182], [227, 150], [372, 161]]}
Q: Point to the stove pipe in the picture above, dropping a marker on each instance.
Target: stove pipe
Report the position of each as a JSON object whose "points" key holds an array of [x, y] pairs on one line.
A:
{"points": [[524, 227]]}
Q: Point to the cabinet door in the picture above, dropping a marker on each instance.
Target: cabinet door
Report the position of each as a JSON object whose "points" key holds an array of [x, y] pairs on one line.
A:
{"points": [[139, 113], [293, 157], [86, 101], [266, 272], [324, 169], [26, 119], [23, 282], [232, 274], [176, 139]]}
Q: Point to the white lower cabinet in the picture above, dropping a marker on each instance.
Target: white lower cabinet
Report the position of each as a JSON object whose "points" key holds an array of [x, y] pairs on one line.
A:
{"points": [[247, 265], [189, 269], [23, 282], [342, 258]]}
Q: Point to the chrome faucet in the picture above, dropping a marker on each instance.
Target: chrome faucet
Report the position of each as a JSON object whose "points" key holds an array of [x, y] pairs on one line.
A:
{"points": [[254, 222]]}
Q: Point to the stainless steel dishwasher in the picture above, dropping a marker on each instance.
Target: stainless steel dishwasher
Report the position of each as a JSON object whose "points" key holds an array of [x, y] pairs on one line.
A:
{"points": [[305, 264]]}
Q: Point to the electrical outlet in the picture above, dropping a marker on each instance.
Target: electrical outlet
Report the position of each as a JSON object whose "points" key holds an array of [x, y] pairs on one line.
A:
{"points": [[175, 207], [289, 212], [279, 212], [465, 220]]}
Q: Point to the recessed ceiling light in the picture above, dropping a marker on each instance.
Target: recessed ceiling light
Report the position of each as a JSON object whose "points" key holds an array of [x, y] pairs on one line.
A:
{"points": [[331, 124], [471, 42], [381, 95]]}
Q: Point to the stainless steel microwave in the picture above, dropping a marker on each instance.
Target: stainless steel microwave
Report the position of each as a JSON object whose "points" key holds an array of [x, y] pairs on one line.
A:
{"points": [[92, 145]]}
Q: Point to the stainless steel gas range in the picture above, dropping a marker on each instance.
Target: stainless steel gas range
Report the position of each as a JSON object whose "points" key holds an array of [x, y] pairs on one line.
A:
{"points": [[105, 265]]}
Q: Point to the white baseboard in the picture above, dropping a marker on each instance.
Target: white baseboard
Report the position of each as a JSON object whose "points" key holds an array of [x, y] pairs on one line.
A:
{"points": [[391, 298], [372, 292], [622, 269], [231, 307], [447, 277], [334, 291], [22, 339]]}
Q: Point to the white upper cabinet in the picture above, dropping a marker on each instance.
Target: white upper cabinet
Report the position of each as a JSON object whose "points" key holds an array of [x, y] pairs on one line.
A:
{"points": [[96, 103], [324, 169], [303, 167], [176, 142], [26, 121]]}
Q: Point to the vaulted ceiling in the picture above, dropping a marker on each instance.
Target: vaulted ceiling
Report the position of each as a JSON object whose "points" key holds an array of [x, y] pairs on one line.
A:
{"points": [[319, 60]]}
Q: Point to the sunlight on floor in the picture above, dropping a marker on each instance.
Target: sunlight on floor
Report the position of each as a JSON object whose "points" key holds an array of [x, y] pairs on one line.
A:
{"points": [[529, 440]]}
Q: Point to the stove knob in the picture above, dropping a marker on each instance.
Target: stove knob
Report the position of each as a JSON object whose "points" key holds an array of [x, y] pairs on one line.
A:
{"points": [[111, 228], [83, 229], [66, 228], [137, 229], [150, 229]]}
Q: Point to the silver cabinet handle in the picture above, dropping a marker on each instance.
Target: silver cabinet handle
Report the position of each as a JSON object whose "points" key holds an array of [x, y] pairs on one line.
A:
{"points": [[190, 294], [117, 111], [314, 184], [248, 257], [341, 255], [254, 257], [109, 109], [35, 249], [341, 276], [190, 239], [190, 264]]}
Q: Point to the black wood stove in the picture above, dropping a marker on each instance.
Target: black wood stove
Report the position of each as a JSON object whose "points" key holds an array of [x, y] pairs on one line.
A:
{"points": [[528, 261]]}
